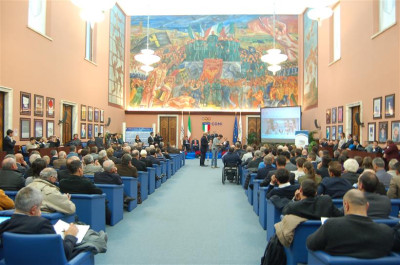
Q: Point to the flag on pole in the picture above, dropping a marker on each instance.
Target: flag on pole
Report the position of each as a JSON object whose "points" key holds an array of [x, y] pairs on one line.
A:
{"points": [[182, 129], [189, 128], [240, 133], [206, 127], [235, 131]]}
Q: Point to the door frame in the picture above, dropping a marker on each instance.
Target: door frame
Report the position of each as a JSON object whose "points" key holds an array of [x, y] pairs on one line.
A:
{"points": [[348, 119], [177, 124], [247, 124], [74, 114], [8, 109]]}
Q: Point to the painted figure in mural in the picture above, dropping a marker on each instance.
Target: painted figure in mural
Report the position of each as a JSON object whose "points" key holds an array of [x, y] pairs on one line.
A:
{"points": [[138, 95], [217, 93], [206, 93]]}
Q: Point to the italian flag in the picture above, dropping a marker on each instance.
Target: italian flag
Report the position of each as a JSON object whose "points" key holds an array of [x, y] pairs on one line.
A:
{"points": [[189, 128], [206, 126]]}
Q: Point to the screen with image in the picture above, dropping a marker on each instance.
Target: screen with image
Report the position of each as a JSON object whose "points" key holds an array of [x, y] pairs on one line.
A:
{"points": [[278, 125]]}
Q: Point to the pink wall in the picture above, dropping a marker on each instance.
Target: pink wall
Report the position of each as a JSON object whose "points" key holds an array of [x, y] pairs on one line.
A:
{"points": [[55, 68]]}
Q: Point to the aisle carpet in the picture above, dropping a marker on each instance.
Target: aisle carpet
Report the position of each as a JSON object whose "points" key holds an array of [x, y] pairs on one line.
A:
{"points": [[191, 219]]}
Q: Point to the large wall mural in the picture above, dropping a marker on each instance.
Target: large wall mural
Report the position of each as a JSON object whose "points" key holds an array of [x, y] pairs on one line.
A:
{"points": [[213, 63], [310, 85]]}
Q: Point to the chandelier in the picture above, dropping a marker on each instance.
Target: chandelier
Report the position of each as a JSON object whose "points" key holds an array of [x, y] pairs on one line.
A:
{"points": [[147, 56], [320, 9], [92, 11]]}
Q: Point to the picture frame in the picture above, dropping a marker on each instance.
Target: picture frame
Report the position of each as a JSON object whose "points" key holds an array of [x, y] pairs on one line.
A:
{"points": [[96, 115], [333, 133], [371, 131], [25, 103], [90, 113], [83, 130], [377, 108], [328, 116], [389, 106], [340, 114], [328, 132], [38, 128], [38, 107], [25, 129], [339, 131], [89, 131], [395, 132], [83, 112], [50, 107], [102, 129], [334, 116], [49, 128], [96, 130], [102, 116], [383, 132]]}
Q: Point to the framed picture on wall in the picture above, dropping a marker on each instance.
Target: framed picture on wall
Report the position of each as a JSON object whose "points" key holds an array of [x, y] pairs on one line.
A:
{"points": [[90, 113], [90, 131], [50, 106], [333, 116], [328, 116], [377, 108], [96, 130], [102, 116], [25, 105], [339, 131], [96, 115], [38, 107], [38, 128], [83, 112], [102, 129], [328, 132], [396, 131], [340, 114], [389, 106], [25, 129], [371, 131], [333, 133], [83, 130], [383, 131], [49, 128]]}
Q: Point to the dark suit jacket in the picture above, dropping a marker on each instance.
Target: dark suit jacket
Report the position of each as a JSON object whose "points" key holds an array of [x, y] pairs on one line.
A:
{"points": [[11, 180], [115, 160], [335, 187], [254, 163], [127, 171], [323, 172], [54, 144], [81, 185], [262, 173], [63, 174], [24, 224], [147, 161], [231, 159], [313, 208], [286, 192], [204, 144], [347, 144], [98, 141], [150, 140], [354, 236], [59, 162], [351, 177], [140, 165], [154, 160], [267, 179], [8, 145], [107, 178], [195, 144], [380, 206]]}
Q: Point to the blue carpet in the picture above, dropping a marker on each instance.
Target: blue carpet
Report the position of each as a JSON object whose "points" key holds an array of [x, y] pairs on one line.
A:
{"points": [[191, 219]]}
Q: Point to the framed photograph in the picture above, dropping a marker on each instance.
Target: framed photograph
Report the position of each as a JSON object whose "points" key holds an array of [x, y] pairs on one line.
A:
{"points": [[38, 128], [328, 116], [83, 130], [333, 133], [90, 131], [339, 131], [328, 132], [340, 114], [25, 105], [333, 116], [96, 115], [50, 106], [377, 107], [371, 131], [49, 128], [25, 129], [96, 130], [383, 131], [83, 112], [38, 107], [90, 113], [102, 129], [102, 116], [396, 131], [389, 106]]}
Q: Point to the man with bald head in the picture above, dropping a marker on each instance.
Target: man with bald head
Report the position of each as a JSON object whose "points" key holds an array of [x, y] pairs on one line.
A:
{"points": [[65, 173], [355, 234], [10, 177], [21, 164]]}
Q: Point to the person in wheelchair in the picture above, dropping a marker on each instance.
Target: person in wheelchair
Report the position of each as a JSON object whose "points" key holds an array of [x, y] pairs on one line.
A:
{"points": [[231, 159]]}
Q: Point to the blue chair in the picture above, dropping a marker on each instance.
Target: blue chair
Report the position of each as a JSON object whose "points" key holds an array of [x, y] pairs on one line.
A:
{"points": [[262, 212], [183, 159], [395, 207], [91, 210], [256, 186], [391, 221], [273, 217], [115, 197], [249, 191], [52, 217], [163, 171], [157, 173], [91, 177], [11, 194], [168, 168], [39, 250], [320, 257], [144, 184], [130, 189], [245, 172], [152, 179]]}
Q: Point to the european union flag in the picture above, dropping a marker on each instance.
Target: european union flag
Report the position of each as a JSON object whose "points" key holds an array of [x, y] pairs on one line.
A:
{"points": [[235, 131]]}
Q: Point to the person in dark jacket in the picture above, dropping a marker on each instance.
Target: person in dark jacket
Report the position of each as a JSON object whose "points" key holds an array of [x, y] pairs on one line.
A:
{"points": [[10, 177], [281, 186], [9, 142], [231, 158], [350, 170], [334, 186], [203, 149], [140, 165]]}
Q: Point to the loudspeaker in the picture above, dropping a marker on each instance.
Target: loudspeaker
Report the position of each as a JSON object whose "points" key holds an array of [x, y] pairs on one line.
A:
{"points": [[357, 117], [316, 124], [64, 118], [108, 122]]}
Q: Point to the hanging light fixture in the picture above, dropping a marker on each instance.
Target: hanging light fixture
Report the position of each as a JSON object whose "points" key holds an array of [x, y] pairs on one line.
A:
{"points": [[146, 68], [320, 9], [274, 68], [92, 11], [147, 56]]}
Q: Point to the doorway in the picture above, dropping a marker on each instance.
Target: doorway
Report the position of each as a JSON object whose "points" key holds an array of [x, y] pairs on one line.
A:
{"points": [[253, 128], [1, 119], [355, 128], [67, 125], [168, 129]]}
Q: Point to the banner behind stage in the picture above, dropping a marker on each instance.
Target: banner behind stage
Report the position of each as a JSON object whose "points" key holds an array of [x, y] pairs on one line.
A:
{"points": [[131, 132]]}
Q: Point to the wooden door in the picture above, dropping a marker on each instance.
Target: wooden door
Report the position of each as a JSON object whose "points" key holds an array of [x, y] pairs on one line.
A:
{"points": [[254, 126], [2, 120], [67, 125], [168, 130], [355, 128]]}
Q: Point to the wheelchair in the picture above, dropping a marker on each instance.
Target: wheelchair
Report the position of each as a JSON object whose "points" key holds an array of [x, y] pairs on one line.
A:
{"points": [[231, 173]]}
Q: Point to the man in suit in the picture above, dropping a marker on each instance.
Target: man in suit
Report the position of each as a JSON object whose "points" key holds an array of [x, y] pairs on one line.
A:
{"points": [[9, 142], [262, 173], [140, 165], [289, 166], [281, 186], [10, 177], [99, 141], [75, 141], [376, 148], [143, 158], [125, 168], [394, 187], [379, 167], [61, 161], [150, 140], [280, 164], [27, 220], [21, 164], [158, 139], [203, 149], [334, 186], [153, 157], [186, 144], [195, 145], [355, 234], [348, 143]]}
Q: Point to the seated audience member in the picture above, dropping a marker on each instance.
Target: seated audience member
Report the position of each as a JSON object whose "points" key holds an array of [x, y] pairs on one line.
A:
{"points": [[280, 164], [336, 155], [61, 161], [284, 189], [93, 152], [65, 173], [322, 168], [348, 142], [102, 157], [379, 167], [186, 144], [248, 155], [367, 164], [137, 139], [252, 165], [54, 141], [379, 205], [140, 165], [391, 151], [350, 171], [231, 158], [27, 220], [32, 158], [43, 142], [334, 186], [47, 159], [143, 158], [391, 166], [53, 200], [153, 157], [72, 151], [297, 154], [356, 146], [195, 145], [37, 166], [126, 169], [308, 205], [99, 141], [118, 153], [309, 173], [91, 142], [300, 171], [394, 187], [110, 155], [6, 203], [21, 164], [54, 156], [159, 155], [32, 144], [355, 234], [312, 157], [376, 148], [323, 142], [262, 173], [359, 160], [75, 141], [289, 166], [90, 166]]}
